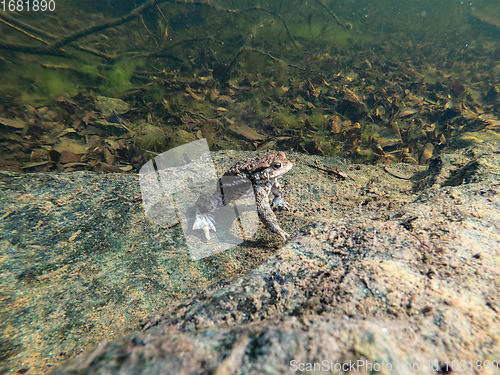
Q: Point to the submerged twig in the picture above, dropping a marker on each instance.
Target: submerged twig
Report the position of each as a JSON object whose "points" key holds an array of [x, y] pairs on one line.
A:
{"points": [[22, 31], [149, 32], [267, 54], [26, 27], [397, 175], [29, 30], [272, 13], [31, 50], [345, 25], [137, 11], [56, 46], [106, 25]]}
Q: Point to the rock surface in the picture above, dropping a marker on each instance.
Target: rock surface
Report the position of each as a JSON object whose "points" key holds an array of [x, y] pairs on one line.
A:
{"points": [[380, 271]]}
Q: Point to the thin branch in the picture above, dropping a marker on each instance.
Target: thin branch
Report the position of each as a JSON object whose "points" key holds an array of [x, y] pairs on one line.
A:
{"points": [[103, 26], [31, 50], [23, 31], [267, 54], [55, 48], [26, 29], [270, 12], [68, 39], [344, 25], [149, 32]]}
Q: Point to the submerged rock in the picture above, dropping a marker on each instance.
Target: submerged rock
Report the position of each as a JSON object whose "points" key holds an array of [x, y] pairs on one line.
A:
{"points": [[380, 271]]}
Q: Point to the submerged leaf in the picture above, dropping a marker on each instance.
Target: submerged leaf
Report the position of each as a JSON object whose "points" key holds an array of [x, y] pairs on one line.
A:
{"points": [[13, 123], [247, 132]]}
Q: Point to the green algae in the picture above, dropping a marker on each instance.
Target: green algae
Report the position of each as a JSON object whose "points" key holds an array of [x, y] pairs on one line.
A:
{"points": [[118, 77]]}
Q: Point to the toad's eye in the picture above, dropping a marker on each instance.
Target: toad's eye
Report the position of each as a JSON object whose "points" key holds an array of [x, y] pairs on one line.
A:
{"points": [[277, 166]]}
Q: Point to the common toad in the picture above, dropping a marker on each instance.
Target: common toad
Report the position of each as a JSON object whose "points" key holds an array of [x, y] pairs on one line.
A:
{"points": [[259, 173]]}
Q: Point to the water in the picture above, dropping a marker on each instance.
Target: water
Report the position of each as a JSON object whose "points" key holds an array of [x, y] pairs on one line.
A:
{"points": [[369, 81]]}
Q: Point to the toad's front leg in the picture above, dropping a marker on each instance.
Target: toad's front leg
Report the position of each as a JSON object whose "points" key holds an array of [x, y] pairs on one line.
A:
{"points": [[205, 204], [278, 200]]}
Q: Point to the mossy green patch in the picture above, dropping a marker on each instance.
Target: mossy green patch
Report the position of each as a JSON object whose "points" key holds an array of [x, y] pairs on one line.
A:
{"points": [[317, 119], [155, 94], [283, 120], [118, 77], [56, 78], [150, 137]]}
